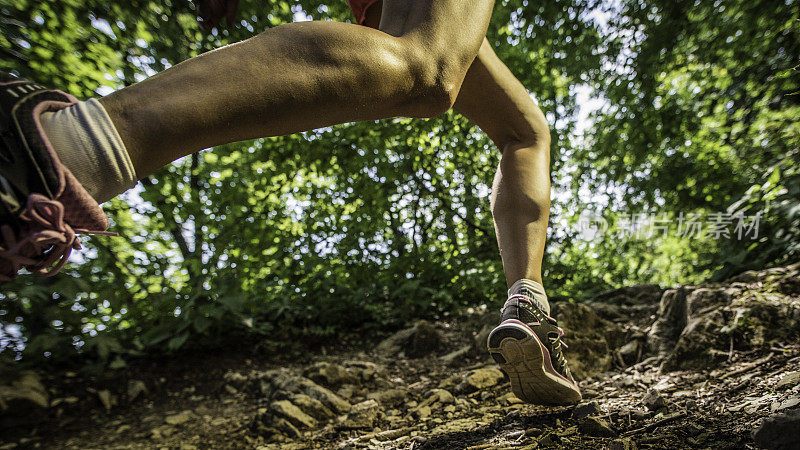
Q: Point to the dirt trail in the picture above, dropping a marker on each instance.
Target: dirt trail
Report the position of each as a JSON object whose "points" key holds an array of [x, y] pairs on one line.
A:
{"points": [[709, 366]]}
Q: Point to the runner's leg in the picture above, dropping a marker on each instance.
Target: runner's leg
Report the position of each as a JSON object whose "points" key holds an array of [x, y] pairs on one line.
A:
{"points": [[527, 342], [495, 100], [302, 76]]}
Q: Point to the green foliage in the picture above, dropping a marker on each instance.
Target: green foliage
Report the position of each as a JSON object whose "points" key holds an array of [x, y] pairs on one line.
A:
{"points": [[366, 226], [699, 112]]}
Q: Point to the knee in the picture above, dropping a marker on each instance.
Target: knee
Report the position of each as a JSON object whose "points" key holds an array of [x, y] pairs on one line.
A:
{"points": [[436, 78]]}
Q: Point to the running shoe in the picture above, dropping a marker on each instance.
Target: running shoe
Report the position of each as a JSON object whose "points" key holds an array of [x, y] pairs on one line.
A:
{"points": [[527, 345], [42, 205]]}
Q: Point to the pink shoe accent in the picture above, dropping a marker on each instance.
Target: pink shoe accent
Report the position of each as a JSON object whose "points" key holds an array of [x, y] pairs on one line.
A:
{"points": [[548, 363], [80, 209], [48, 226], [48, 239]]}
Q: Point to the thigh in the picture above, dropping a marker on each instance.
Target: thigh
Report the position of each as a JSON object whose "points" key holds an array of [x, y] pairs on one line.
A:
{"points": [[458, 24]]}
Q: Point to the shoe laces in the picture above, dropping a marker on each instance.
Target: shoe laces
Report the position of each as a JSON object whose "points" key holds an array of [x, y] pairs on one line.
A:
{"points": [[557, 343], [48, 239], [555, 338]]}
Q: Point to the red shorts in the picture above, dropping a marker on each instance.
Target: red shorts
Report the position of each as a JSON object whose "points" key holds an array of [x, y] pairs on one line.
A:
{"points": [[359, 8]]}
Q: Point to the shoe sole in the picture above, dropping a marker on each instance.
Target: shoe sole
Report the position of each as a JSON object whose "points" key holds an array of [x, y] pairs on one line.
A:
{"points": [[520, 353]]}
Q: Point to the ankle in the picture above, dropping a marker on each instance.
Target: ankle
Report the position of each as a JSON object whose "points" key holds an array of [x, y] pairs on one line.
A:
{"points": [[531, 290]]}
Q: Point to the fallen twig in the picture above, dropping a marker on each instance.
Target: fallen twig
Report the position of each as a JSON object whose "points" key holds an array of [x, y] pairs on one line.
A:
{"points": [[655, 424], [746, 366]]}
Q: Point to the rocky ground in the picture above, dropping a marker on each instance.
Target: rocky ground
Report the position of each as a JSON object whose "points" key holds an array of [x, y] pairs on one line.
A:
{"points": [[707, 366]]}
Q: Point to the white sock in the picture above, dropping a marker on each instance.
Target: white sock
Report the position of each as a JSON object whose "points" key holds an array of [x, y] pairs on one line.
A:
{"points": [[533, 291], [87, 143]]}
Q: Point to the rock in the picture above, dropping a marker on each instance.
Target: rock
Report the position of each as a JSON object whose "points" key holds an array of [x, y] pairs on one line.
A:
{"points": [[509, 399], [585, 410], [425, 340], [591, 339], [268, 423], [788, 286], [454, 427], [750, 276], [106, 398], [452, 381], [329, 375], [159, 432], [365, 370], [789, 380], [420, 340], [710, 318], [441, 396], [422, 411], [328, 398], [479, 343], [178, 419], [653, 400], [631, 352], [457, 357], [481, 379], [312, 407], [290, 412], [779, 431], [362, 415], [596, 427], [533, 432], [272, 382], [22, 389], [419, 440], [588, 393], [389, 397], [671, 319], [389, 435], [236, 379], [286, 427], [219, 421], [347, 392], [790, 402], [699, 332], [631, 295], [135, 389], [692, 429]]}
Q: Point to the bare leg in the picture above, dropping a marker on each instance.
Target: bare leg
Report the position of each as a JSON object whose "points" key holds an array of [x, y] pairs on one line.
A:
{"points": [[301, 76], [526, 344], [495, 100], [521, 209]]}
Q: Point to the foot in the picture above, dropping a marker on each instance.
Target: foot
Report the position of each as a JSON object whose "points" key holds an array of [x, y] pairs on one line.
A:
{"points": [[527, 346], [42, 205]]}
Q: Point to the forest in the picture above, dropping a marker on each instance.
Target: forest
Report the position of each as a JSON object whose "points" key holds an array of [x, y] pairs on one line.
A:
{"points": [[675, 181]]}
